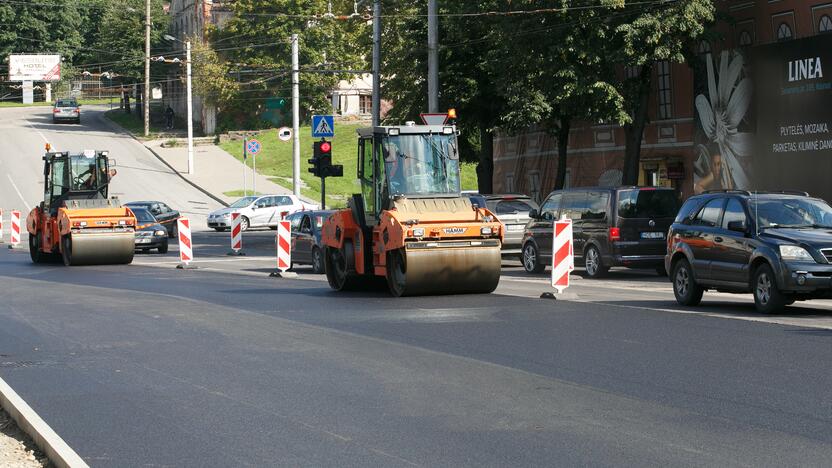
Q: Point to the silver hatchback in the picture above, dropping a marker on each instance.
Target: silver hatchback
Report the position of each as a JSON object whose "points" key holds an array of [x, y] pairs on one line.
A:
{"points": [[513, 211], [66, 110]]}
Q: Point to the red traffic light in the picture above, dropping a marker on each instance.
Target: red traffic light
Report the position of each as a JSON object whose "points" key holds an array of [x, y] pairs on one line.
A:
{"points": [[325, 147]]}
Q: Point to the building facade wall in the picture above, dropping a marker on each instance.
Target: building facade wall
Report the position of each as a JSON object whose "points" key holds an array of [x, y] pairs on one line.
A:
{"points": [[670, 155]]}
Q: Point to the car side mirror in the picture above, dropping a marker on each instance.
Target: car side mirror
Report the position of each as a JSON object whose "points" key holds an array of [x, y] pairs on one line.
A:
{"points": [[533, 214], [737, 226]]}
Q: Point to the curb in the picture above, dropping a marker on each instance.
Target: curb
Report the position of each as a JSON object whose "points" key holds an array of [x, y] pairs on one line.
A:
{"points": [[59, 453], [194, 185]]}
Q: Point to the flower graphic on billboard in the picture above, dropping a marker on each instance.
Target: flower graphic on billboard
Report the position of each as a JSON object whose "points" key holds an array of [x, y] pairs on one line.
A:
{"points": [[722, 162]]}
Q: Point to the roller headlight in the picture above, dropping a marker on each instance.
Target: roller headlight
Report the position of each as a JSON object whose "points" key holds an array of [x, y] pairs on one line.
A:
{"points": [[793, 252], [160, 233], [486, 231], [419, 232]]}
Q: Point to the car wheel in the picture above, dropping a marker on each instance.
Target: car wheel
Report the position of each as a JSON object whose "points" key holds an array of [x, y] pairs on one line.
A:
{"points": [[685, 288], [273, 228], [531, 259], [593, 264], [767, 297], [317, 261], [219, 229], [244, 224], [163, 249]]}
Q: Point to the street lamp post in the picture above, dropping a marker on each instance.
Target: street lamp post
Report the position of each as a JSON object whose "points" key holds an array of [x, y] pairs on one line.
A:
{"points": [[190, 102]]}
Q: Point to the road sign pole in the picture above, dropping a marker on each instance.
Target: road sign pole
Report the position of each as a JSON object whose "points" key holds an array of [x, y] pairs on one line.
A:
{"points": [[245, 166], [295, 118], [376, 109], [254, 174]]}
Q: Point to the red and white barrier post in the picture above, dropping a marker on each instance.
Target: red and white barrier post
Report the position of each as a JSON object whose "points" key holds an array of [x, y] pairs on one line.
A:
{"points": [[563, 259], [15, 222], [236, 235], [186, 252], [283, 241]]}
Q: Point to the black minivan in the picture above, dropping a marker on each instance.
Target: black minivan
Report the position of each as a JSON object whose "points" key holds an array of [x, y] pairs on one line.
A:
{"points": [[611, 226]]}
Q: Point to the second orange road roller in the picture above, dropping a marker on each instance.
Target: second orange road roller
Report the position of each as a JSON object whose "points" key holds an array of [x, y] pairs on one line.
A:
{"points": [[410, 226], [77, 223]]}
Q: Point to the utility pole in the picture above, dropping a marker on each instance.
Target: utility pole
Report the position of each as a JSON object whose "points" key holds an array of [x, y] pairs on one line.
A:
{"points": [[146, 98], [295, 117], [433, 58], [376, 63], [190, 109]]}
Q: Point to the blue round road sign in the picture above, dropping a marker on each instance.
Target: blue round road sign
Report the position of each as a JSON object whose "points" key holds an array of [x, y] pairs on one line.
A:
{"points": [[253, 147]]}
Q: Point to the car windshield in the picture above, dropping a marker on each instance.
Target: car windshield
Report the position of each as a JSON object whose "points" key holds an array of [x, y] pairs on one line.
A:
{"points": [[421, 164], [143, 216], [790, 212], [647, 203], [243, 202], [513, 206]]}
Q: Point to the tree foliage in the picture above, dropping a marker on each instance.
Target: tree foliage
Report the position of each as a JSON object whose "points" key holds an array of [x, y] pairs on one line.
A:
{"points": [[258, 45]]}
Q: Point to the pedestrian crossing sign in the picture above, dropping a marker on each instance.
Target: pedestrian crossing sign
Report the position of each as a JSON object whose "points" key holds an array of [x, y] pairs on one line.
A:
{"points": [[323, 126]]}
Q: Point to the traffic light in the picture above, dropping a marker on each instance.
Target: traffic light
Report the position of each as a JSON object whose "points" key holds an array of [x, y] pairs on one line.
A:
{"points": [[323, 153]]}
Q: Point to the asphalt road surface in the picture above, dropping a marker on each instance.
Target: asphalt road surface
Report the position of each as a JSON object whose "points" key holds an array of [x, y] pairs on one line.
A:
{"points": [[141, 176], [147, 365]]}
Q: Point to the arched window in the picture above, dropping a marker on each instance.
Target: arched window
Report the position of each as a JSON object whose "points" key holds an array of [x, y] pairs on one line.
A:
{"points": [[784, 32], [745, 39], [704, 47], [825, 24]]}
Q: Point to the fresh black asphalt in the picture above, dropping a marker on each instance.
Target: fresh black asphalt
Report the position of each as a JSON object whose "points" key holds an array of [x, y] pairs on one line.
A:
{"points": [[137, 366]]}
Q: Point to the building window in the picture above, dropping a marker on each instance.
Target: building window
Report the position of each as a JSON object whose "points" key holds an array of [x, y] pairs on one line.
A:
{"points": [[510, 183], [825, 24], [745, 39], [534, 186], [663, 72], [704, 47], [365, 104], [784, 32]]}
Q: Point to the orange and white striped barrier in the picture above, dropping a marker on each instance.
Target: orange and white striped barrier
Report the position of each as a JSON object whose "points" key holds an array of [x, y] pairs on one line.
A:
{"points": [[284, 246], [563, 259], [15, 222], [236, 234], [186, 252]]}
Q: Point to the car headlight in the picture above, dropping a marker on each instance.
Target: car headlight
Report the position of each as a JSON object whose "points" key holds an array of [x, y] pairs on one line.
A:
{"points": [[485, 231], [793, 252], [160, 233], [419, 232]]}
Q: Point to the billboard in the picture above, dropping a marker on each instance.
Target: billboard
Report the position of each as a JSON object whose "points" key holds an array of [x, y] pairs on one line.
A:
{"points": [[793, 144], [764, 118], [34, 67]]}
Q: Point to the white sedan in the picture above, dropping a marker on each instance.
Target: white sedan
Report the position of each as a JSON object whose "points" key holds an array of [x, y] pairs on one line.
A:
{"points": [[258, 211]]}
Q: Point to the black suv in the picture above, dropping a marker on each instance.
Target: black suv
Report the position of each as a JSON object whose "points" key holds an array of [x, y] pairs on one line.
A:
{"points": [[777, 246], [611, 226]]}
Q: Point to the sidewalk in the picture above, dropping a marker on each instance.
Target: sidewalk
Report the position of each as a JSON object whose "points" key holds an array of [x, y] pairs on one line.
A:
{"points": [[215, 171]]}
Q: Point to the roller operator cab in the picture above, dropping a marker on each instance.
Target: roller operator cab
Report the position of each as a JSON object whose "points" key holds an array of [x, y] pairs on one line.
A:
{"points": [[77, 222], [410, 225]]}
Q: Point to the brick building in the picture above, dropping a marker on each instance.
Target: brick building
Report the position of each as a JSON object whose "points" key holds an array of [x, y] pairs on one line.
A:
{"points": [[673, 140]]}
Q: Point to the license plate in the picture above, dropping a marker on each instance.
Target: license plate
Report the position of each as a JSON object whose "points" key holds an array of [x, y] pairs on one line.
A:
{"points": [[652, 235], [142, 241], [515, 227]]}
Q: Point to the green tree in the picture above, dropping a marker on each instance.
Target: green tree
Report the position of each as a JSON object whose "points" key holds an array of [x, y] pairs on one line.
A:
{"points": [[558, 73], [648, 35], [257, 41], [470, 59], [40, 28], [120, 42]]}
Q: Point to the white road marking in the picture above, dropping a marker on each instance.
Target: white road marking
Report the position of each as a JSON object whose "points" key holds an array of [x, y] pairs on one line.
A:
{"points": [[28, 208], [45, 140]]}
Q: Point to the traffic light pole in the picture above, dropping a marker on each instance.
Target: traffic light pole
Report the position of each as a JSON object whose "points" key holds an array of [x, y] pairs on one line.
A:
{"points": [[323, 193]]}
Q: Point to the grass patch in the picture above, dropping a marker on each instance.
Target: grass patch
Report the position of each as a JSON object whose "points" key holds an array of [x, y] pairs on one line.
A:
{"points": [[133, 123], [83, 102], [275, 162], [241, 193]]}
